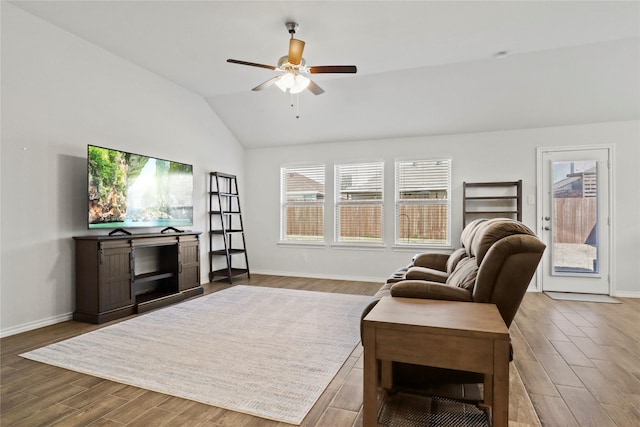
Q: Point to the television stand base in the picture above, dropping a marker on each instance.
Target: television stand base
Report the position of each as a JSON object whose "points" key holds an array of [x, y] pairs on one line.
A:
{"points": [[167, 229], [120, 230]]}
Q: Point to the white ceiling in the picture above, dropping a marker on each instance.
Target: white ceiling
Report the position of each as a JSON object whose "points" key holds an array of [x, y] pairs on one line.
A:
{"points": [[424, 67]]}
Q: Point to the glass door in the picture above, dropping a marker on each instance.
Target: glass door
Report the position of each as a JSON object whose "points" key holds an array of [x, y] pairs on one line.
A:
{"points": [[575, 223]]}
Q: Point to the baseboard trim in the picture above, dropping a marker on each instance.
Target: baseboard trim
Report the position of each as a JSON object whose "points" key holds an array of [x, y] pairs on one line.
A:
{"points": [[627, 295], [26, 327]]}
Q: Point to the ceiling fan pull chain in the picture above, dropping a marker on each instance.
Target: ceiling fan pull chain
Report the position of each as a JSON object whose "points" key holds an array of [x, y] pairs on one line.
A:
{"points": [[297, 106]]}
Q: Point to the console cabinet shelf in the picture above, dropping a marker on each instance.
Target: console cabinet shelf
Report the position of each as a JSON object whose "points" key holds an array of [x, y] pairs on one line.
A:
{"points": [[117, 276]]}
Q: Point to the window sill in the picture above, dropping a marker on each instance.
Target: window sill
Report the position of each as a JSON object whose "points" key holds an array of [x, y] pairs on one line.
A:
{"points": [[413, 248], [286, 243], [358, 246]]}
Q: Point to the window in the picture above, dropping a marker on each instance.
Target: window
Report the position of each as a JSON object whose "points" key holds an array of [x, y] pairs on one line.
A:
{"points": [[302, 203], [423, 202], [359, 201]]}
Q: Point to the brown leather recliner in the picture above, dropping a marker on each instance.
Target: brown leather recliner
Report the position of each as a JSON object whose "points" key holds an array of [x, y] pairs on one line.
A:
{"points": [[500, 257]]}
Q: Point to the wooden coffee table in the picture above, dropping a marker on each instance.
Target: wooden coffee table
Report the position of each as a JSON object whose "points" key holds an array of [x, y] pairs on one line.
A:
{"points": [[445, 334]]}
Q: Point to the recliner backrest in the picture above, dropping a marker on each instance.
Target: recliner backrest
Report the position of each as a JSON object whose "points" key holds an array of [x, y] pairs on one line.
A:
{"points": [[507, 253], [492, 230], [468, 233]]}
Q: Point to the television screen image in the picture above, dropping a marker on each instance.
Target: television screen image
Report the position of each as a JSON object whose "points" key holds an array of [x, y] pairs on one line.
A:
{"points": [[129, 190]]}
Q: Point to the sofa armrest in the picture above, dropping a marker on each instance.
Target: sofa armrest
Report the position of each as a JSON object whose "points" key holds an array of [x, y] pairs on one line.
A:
{"points": [[431, 260], [430, 290], [428, 274]]}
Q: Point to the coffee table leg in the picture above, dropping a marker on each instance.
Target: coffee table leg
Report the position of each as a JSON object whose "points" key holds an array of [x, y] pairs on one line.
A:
{"points": [[370, 398], [386, 374], [500, 406], [488, 390]]}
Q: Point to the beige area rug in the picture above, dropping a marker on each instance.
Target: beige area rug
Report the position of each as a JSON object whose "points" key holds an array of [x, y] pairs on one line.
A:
{"points": [[263, 351], [567, 296]]}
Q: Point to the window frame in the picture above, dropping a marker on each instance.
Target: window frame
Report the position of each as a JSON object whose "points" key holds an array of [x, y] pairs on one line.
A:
{"points": [[339, 170], [399, 202], [285, 203]]}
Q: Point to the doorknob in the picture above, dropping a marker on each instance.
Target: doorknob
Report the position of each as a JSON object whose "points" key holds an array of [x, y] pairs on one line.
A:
{"points": [[547, 228], [546, 218]]}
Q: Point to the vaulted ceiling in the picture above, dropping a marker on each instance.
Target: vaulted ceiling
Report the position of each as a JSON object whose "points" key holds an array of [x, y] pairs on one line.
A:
{"points": [[424, 67]]}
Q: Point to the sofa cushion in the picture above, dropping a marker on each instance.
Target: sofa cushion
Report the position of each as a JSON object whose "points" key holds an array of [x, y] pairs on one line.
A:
{"points": [[436, 261], [429, 274], [464, 276], [429, 290], [455, 258]]}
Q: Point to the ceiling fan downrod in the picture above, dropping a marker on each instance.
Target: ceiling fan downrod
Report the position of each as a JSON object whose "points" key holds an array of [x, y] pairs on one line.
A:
{"points": [[292, 27]]}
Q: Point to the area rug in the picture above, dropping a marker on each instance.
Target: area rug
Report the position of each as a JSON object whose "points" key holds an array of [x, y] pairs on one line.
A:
{"points": [[263, 351], [567, 296]]}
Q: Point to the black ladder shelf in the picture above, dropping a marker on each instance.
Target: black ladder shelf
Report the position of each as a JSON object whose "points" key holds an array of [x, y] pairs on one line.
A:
{"points": [[226, 230]]}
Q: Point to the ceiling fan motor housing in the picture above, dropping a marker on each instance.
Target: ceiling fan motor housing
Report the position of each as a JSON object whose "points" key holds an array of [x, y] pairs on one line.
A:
{"points": [[284, 60]]}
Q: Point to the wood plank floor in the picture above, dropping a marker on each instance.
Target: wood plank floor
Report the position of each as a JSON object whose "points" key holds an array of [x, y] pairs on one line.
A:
{"points": [[578, 363]]}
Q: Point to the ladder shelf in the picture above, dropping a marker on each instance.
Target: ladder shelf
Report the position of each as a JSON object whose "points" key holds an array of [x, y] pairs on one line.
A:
{"points": [[227, 247]]}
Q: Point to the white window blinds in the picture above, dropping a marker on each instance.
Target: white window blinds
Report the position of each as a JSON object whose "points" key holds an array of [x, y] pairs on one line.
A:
{"points": [[359, 202], [302, 203], [422, 202]]}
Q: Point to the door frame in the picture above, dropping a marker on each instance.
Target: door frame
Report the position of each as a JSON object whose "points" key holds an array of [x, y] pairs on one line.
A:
{"points": [[540, 194]]}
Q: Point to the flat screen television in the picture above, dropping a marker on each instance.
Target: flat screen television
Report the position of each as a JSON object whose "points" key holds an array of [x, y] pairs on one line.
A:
{"points": [[127, 190]]}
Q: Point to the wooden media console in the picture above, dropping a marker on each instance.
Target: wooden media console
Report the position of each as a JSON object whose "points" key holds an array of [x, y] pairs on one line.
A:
{"points": [[117, 276]]}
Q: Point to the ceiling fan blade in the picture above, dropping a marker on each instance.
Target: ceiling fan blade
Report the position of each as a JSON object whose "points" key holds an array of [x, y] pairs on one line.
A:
{"points": [[252, 64], [314, 88], [267, 83], [333, 69], [295, 51]]}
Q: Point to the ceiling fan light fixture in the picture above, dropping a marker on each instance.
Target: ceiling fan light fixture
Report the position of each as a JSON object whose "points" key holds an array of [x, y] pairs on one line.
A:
{"points": [[300, 83], [293, 82], [286, 82]]}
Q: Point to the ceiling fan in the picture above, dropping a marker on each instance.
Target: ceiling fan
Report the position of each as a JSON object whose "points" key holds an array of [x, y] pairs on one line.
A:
{"points": [[294, 68]]}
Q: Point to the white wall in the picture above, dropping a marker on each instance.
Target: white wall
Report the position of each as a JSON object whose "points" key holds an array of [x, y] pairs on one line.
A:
{"points": [[491, 156], [60, 93]]}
